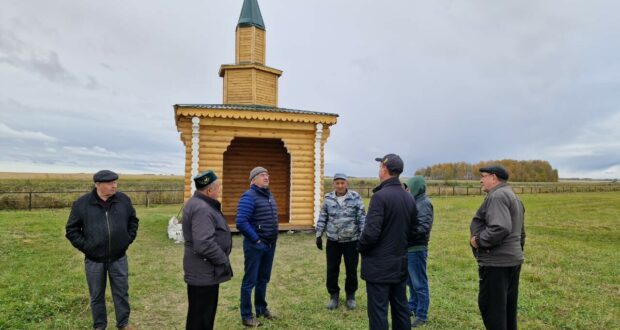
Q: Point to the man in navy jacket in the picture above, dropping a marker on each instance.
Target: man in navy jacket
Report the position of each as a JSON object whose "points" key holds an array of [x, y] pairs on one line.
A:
{"points": [[257, 220], [390, 221]]}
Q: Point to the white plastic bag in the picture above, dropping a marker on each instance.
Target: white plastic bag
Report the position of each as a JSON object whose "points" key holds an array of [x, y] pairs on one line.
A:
{"points": [[175, 230]]}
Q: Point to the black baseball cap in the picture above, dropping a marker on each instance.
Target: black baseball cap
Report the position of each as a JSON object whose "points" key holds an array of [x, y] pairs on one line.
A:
{"points": [[392, 162]]}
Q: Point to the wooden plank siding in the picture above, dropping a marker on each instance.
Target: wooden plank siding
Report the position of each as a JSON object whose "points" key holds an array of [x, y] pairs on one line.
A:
{"points": [[296, 139], [250, 86], [239, 86], [266, 88], [250, 45]]}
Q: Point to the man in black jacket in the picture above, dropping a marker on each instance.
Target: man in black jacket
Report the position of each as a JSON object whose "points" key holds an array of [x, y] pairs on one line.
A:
{"points": [[390, 221], [102, 225]]}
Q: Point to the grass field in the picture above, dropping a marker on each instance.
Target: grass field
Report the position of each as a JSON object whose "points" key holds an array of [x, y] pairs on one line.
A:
{"points": [[570, 279]]}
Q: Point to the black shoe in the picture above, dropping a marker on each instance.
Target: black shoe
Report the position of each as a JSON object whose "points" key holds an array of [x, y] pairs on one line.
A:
{"points": [[267, 315], [251, 322], [333, 302], [417, 323], [351, 301]]}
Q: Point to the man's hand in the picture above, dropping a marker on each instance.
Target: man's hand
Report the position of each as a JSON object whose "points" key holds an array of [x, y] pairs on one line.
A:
{"points": [[473, 243], [319, 243]]}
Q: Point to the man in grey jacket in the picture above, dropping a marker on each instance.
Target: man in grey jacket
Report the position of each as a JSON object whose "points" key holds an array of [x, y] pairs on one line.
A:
{"points": [[342, 218], [208, 243], [497, 237]]}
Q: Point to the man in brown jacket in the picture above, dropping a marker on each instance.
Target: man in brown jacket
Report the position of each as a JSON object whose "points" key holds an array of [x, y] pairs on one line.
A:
{"points": [[497, 237]]}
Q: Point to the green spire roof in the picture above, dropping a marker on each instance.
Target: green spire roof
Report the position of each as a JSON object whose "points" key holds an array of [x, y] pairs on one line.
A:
{"points": [[250, 15]]}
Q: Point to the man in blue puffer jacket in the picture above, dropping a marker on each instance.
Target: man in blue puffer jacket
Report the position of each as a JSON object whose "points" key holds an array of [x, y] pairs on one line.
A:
{"points": [[257, 220]]}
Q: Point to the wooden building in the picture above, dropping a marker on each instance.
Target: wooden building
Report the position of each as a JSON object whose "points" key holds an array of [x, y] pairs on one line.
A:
{"points": [[249, 130]]}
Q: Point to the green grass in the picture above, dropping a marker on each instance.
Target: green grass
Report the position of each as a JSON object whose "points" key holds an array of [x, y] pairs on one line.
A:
{"points": [[570, 279]]}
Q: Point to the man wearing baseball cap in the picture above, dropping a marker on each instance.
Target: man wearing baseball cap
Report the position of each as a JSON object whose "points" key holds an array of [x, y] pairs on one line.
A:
{"points": [[257, 220], [390, 222], [497, 237], [102, 225]]}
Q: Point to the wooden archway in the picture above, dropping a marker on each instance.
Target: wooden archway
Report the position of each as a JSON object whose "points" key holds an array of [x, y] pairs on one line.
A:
{"points": [[241, 156]]}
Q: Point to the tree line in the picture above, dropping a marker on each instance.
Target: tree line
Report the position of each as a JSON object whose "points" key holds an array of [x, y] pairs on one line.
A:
{"points": [[519, 170]]}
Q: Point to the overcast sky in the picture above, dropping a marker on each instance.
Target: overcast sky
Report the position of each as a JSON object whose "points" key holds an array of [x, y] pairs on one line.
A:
{"points": [[86, 85]]}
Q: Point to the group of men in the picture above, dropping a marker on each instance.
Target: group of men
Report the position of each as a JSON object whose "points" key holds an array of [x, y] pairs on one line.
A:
{"points": [[392, 239]]}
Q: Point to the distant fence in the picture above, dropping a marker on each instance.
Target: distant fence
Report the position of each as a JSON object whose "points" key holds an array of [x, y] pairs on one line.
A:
{"points": [[30, 200], [19, 200], [433, 190]]}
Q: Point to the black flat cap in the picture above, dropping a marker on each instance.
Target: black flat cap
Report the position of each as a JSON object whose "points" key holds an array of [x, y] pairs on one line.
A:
{"points": [[204, 179], [105, 176], [498, 170], [393, 163]]}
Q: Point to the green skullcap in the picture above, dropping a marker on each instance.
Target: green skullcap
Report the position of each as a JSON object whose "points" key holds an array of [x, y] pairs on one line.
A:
{"points": [[204, 179]]}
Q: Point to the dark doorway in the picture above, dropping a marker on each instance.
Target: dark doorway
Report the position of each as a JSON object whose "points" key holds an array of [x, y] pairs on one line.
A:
{"points": [[241, 156]]}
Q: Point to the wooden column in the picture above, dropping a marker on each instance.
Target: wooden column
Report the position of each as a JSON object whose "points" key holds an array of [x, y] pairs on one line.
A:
{"points": [[317, 171], [195, 150]]}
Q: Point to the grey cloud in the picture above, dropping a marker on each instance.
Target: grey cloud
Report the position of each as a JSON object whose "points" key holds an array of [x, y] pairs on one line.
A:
{"points": [[45, 63], [93, 84], [7, 132]]}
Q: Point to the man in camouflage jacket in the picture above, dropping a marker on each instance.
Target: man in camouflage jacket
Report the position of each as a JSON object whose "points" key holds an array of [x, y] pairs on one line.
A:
{"points": [[342, 218]]}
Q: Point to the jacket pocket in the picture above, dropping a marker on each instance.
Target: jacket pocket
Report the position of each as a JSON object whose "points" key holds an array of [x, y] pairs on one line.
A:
{"points": [[222, 272], [348, 232]]}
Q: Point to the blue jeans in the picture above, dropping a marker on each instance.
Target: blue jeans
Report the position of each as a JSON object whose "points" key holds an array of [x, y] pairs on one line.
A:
{"points": [[258, 260], [419, 294], [118, 272]]}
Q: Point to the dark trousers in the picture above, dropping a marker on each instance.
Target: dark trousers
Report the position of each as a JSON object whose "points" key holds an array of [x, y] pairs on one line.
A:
{"points": [[202, 305], [379, 296], [497, 299], [334, 252], [258, 261], [118, 272]]}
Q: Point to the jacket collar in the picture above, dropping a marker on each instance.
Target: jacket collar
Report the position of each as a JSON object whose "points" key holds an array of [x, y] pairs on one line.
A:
{"points": [[393, 181], [332, 194], [264, 191], [94, 198], [420, 196], [214, 203], [501, 184]]}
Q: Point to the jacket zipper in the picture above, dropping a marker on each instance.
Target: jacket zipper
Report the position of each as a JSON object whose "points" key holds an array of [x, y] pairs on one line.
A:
{"points": [[109, 236]]}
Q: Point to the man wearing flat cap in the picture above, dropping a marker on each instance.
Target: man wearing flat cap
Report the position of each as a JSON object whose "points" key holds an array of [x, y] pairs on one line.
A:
{"points": [[257, 220], [208, 243], [102, 224], [497, 237], [390, 223], [342, 218]]}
